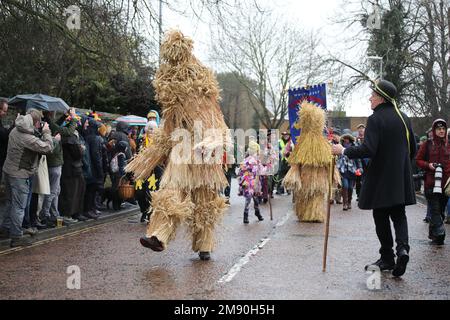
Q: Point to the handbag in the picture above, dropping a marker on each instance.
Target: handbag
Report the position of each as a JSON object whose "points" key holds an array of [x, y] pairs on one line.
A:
{"points": [[41, 181]]}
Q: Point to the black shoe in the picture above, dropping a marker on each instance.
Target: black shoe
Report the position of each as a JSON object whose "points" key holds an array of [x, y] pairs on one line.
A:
{"points": [[437, 241], [246, 220], [50, 224], [204, 255], [400, 266], [152, 243], [20, 242], [383, 265], [39, 226], [80, 217], [90, 215], [426, 220], [259, 216], [101, 207]]}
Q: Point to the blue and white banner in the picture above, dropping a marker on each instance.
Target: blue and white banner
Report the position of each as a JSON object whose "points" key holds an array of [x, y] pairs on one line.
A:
{"points": [[316, 94]]}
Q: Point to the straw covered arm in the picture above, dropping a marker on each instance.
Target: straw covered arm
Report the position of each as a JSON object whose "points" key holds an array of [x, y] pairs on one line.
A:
{"points": [[143, 164]]}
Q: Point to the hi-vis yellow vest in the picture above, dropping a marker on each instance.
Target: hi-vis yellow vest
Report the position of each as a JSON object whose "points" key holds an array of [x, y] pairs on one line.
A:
{"points": [[282, 147]]}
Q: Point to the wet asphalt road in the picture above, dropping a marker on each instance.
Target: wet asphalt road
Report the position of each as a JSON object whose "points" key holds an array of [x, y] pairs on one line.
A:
{"points": [[288, 264]]}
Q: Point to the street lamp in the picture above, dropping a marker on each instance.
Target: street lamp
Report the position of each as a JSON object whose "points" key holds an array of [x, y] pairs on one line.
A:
{"points": [[381, 64]]}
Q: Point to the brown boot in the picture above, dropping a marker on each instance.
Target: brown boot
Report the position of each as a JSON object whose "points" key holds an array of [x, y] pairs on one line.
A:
{"points": [[344, 199], [338, 196]]}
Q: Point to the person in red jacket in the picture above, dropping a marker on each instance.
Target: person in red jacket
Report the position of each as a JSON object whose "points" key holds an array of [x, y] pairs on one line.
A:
{"points": [[432, 152]]}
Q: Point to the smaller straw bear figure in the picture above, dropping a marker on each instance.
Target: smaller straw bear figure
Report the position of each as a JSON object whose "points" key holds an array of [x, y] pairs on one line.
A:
{"points": [[310, 162]]}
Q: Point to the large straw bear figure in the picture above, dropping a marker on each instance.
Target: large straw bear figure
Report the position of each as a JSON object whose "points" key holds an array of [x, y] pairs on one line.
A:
{"points": [[189, 191], [310, 163]]}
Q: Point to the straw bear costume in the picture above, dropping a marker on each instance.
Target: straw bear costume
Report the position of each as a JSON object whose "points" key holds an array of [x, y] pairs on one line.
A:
{"points": [[189, 191], [310, 162]]}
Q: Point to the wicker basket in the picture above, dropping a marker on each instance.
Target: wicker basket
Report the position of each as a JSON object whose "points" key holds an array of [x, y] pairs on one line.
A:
{"points": [[126, 190]]}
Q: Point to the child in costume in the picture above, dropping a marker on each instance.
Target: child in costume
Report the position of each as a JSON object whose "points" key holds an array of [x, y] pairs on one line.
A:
{"points": [[249, 180], [188, 94]]}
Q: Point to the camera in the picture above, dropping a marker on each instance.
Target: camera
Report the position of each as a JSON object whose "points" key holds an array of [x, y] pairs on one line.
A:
{"points": [[419, 176], [41, 126], [438, 178]]}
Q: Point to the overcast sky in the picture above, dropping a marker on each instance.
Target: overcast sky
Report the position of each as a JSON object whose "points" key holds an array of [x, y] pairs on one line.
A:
{"points": [[306, 15]]}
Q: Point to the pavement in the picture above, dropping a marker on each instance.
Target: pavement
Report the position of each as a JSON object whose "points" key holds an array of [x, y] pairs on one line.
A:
{"points": [[279, 259], [106, 216]]}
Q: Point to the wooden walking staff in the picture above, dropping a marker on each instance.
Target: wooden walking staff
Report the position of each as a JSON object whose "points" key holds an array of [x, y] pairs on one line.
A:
{"points": [[270, 207], [327, 223]]}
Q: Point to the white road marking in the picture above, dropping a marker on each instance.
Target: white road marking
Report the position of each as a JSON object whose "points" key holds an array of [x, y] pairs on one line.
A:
{"points": [[245, 259]]}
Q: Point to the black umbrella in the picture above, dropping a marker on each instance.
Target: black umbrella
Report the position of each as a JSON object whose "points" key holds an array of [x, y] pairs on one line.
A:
{"points": [[39, 101]]}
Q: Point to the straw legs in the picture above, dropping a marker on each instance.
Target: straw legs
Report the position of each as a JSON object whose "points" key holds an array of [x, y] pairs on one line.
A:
{"points": [[201, 209]]}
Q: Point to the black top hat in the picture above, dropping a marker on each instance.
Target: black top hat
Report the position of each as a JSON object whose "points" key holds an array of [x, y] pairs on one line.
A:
{"points": [[385, 88]]}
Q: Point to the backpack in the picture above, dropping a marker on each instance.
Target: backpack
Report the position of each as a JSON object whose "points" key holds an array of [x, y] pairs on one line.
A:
{"points": [[114, 164]]}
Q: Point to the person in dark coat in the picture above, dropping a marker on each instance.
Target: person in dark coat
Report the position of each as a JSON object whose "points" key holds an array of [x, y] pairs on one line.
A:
{"points": [[73, 185], [432, 152], [388, 184], [121, 134], [95, 182]]}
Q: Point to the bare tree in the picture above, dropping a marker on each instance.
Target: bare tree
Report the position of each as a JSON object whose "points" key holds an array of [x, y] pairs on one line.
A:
{"points": [[414, 44], [253, 44]]}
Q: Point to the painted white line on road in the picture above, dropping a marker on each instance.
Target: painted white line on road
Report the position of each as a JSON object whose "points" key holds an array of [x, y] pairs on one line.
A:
{"points": [[245, 259], [283, 220]]}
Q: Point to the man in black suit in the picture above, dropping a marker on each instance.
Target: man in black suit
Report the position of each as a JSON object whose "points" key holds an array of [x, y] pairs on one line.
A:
{"points": [[388, 185]]}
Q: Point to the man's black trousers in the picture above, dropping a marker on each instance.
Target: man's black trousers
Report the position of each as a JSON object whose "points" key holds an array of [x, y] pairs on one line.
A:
{"points": [[382, 219]]}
